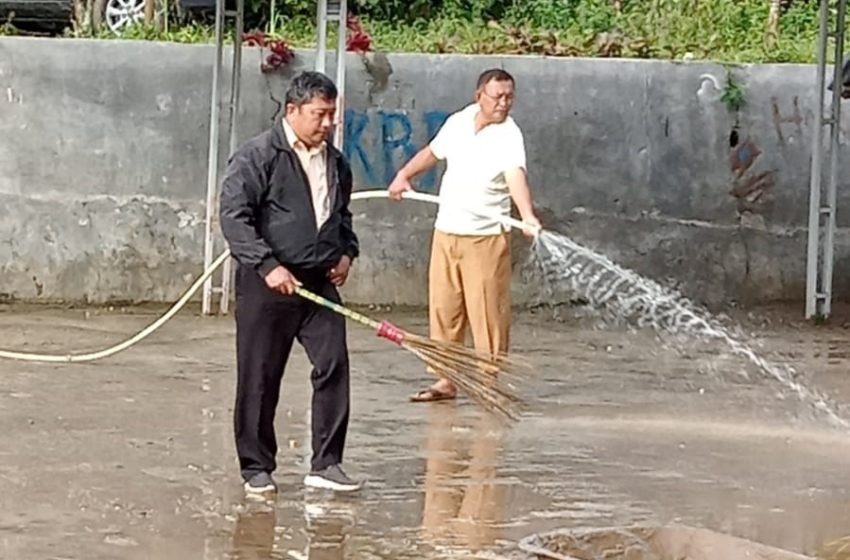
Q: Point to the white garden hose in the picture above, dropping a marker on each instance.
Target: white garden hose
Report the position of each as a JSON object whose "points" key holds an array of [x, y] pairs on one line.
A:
{"points": [[144, 333], [147, 331], [424, 197]]}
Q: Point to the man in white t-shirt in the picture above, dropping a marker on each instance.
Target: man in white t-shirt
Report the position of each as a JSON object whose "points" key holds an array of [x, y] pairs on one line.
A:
{"points": [[470, 270]]}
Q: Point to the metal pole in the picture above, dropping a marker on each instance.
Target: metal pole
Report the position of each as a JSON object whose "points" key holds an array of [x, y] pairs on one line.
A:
{"points": [[322, 24], [235, 90], [339, 130], [835, 131], [212, 163], [236, 75], [815, 179]]}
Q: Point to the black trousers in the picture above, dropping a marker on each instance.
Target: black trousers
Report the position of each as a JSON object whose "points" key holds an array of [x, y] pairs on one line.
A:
{"points": [[267, 323]]}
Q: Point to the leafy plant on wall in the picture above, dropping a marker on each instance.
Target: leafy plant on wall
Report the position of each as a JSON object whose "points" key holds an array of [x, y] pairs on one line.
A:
{"points": [[734, 96]]}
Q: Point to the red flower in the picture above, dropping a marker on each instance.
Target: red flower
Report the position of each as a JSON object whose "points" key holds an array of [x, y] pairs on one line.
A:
{"points": [[280, 54], [358, 40], [254, 39]]}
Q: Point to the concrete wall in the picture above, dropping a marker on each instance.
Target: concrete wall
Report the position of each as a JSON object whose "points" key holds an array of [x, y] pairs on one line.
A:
{"points": [[103, 150]]}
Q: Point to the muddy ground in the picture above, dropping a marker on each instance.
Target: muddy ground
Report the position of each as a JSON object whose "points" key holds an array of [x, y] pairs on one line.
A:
{"points": [[132, 457]]}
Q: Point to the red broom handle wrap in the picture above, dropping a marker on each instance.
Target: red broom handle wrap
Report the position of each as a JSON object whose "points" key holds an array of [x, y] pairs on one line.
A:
{"points": [[390, 332]]}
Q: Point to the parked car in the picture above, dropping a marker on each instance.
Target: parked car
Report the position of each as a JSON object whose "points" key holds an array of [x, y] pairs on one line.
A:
{"points": [[56, 15], [48, 15], [121, 13]]}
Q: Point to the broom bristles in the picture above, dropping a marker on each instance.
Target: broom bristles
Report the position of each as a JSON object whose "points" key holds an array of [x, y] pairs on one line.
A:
{"points": [[838, 549], [484, 377]]}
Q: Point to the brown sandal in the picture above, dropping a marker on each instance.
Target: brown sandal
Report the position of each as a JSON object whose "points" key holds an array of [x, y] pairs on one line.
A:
{"points": [[431, 395]]}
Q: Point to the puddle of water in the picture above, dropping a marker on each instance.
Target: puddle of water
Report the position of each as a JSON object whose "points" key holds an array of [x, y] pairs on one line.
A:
{"points": [[620, 437]]}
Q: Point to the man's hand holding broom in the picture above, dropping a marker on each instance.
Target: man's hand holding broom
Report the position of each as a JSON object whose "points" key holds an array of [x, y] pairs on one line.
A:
{"points": [[281, 280]]}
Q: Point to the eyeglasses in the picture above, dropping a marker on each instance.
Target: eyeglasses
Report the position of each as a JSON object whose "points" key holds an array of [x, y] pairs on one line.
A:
{"points": [[507, 97]]}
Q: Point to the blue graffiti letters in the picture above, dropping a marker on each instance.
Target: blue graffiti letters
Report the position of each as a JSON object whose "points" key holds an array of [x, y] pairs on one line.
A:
{"points": [[379, 142]]}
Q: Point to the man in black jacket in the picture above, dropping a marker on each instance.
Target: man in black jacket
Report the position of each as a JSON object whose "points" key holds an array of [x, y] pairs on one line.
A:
{"points": [[284, 213]]}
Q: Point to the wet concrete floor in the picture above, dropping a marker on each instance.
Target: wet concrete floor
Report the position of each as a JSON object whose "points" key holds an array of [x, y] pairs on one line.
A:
{"points": [[132, 457]]}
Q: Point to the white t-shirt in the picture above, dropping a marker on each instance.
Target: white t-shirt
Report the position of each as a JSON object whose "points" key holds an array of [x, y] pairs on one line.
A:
{"points": [[473, 187]]}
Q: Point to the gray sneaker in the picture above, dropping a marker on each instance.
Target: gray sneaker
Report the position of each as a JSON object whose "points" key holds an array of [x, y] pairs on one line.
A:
{"points": [[260, 483], [332, 478]]}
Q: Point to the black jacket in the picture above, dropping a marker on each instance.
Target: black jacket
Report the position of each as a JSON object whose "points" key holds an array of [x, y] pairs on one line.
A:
{"points": [[267, 214]]}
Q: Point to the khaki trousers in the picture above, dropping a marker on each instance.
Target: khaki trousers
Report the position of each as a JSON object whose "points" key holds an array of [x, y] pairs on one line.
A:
{"points": [[470, 286]]}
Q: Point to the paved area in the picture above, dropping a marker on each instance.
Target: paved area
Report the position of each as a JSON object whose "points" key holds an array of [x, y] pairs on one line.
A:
{"points": [[132, 457]]}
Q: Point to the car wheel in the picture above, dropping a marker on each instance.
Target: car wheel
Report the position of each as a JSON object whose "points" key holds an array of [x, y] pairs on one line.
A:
{"points": [[121, 14]]}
